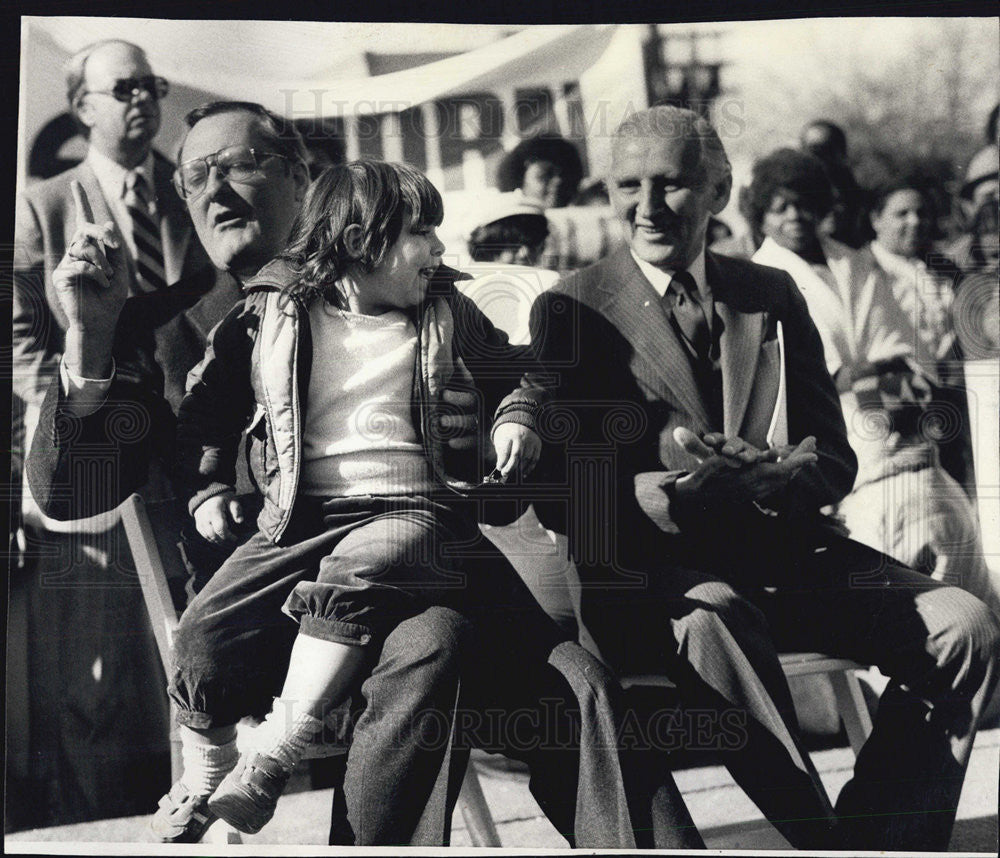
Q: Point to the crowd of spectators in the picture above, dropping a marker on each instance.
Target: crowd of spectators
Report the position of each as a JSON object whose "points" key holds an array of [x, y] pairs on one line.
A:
{"points": [[900, 308]]}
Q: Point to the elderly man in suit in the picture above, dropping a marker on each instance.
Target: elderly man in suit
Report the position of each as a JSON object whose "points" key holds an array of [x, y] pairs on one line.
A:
{"points": [[697, 528], [243, 179], [115, 98], [85, 675]]}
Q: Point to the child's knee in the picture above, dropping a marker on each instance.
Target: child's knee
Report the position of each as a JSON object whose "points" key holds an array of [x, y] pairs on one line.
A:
{"points": [[193, 637]]}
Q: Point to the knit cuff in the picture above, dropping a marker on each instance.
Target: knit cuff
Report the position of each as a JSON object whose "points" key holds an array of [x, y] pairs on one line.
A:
{"points": [[521, 411], [210, 491]]}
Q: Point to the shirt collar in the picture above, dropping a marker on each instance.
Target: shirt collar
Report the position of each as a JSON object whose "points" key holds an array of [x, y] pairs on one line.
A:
{"points": [[660, 278], [893, 261], [111, 175]]}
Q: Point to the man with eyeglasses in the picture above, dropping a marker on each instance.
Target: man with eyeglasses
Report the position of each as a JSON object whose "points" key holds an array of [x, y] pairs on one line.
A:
{"points": [[242, 175], [115, 98], [85, 674]]}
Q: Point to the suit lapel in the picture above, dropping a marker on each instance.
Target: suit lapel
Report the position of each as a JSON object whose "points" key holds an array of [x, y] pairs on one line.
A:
{"points": [[631, 303], [739, 345], [214, 304], [99, 206], [175, 225]]}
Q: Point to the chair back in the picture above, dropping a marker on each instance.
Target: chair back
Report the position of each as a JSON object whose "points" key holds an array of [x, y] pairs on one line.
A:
{"points": [[158, 562]]}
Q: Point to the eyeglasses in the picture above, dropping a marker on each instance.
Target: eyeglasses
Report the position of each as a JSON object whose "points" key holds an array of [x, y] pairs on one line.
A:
{"points": [[126, 89], [236, 163]]}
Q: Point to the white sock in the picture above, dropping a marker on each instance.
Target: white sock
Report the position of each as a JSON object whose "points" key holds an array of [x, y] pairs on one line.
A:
{"points": [[286, 733], [205, 764]]}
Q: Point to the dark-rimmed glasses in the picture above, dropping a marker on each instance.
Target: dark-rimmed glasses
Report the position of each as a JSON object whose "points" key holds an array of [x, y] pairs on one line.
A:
{"points": [[126, 89], [236, 163]]}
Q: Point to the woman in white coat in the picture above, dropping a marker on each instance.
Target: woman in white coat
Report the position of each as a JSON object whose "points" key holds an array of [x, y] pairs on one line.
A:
{"points": [[884, 341]]}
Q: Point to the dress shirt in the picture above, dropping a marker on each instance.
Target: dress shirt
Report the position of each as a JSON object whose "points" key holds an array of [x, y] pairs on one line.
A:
{"points": [[83, 396], [659, 279]]}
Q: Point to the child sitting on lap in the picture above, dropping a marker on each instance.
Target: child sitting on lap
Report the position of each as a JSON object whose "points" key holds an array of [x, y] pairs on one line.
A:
{"points": [[335, 360]]}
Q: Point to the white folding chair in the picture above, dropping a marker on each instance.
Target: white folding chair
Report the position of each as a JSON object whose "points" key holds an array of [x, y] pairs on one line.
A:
{"points": [[851, 704]]}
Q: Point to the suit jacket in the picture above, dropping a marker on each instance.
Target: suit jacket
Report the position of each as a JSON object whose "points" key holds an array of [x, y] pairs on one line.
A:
{"points": [[621, 382], [160, 336], [44, 224]]}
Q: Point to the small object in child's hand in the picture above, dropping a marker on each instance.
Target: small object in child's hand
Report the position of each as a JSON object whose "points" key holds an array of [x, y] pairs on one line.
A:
{"points": [[494, 477]]}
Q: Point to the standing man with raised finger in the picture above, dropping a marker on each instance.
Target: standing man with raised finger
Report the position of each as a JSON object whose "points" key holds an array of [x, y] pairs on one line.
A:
{"points": [[87, 676], [678, 378]]}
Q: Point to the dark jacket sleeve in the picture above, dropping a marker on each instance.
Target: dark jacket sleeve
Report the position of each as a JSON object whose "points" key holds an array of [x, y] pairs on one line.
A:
{"points": [[82, 466], [553, 335], [813, 409], [496, 366], [216, 409]]}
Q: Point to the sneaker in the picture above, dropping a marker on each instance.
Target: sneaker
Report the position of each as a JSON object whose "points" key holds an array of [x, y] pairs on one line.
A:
{"points": [[246, 799], [182, 817]]}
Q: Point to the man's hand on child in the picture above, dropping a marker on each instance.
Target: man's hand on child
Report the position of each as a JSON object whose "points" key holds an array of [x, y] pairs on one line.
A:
{"points": [[462, 397], [466, 423], [215, 517], [518, 448]]}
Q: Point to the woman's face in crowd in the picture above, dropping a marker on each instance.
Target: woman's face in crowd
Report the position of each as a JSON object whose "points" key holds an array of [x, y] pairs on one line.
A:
{"points": [[402, 279], [543, 182], [791, 221], [903, 225]]}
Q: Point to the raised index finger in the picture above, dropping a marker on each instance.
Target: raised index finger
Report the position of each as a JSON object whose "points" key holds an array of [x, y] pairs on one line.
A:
{"points": [[84, 213]]}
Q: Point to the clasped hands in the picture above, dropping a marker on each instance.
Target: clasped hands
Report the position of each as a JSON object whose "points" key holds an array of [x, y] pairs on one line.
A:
{"points": [[730, 470]]}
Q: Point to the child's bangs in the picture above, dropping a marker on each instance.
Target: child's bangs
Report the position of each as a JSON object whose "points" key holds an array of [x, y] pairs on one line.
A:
{"points": [[421, 198]]}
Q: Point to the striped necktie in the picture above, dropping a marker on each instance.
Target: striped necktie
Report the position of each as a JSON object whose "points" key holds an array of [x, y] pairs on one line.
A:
{"points": [[145, 234]]}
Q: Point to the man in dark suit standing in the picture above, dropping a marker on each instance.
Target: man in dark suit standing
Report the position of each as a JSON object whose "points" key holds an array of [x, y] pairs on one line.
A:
{"points": [[88, 649], [115, 98], [697, 436]]}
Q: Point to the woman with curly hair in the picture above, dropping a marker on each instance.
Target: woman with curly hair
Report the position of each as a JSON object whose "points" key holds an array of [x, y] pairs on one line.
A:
{"points": [[546, 170], [883, 341]]}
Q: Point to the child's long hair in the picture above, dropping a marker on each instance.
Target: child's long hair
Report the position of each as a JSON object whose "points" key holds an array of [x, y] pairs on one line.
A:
{"points": [[372, 194]]}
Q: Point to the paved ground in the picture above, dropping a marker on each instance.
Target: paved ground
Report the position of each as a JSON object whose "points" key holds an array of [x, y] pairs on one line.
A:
{"points": [[726, 818]]}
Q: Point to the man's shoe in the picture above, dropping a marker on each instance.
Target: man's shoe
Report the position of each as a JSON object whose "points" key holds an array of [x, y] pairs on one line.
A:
{"points": [[247, 797], [182, 817]]}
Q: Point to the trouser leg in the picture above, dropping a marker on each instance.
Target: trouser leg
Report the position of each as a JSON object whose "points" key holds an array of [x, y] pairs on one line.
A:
{"points": [[403, 774], [938, 644], [399, 559], [560, 713], [716, 647], [232, 644], [341, 833]]}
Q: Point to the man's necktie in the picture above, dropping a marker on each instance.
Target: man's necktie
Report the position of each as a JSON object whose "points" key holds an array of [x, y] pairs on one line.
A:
{"points": [[681, 300], [145, 233]]}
